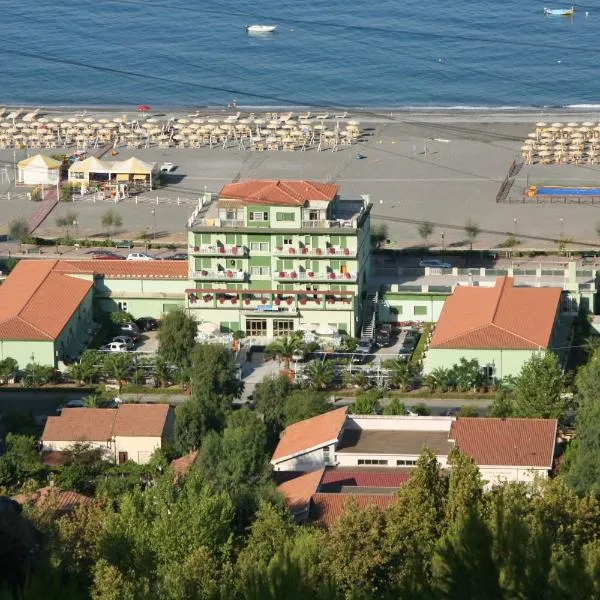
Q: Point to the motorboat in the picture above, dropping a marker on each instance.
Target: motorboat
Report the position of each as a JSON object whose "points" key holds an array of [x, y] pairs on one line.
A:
{"points": [[260, 28], [559, 12]]}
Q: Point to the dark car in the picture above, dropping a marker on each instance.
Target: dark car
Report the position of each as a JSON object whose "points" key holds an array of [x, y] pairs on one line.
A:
{"points": [[147, 324], [384, 334], [176, 256], [133, 336], [105, 255]]}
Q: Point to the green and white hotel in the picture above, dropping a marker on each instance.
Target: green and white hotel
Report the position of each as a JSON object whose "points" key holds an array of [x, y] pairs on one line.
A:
{"points": [[269, 256]]}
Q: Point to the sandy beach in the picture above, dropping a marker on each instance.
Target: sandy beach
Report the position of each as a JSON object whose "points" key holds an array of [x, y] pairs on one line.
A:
{"points": [[442, 166]]}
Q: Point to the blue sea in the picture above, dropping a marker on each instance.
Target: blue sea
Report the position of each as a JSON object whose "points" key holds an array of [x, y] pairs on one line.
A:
{"points": [[369, 54]]}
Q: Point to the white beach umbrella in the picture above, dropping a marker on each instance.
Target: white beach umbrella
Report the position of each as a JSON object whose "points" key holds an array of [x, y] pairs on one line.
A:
{"points": [[208, 327]]}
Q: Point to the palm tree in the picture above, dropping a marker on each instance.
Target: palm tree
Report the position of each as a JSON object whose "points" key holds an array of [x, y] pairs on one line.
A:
{"points": [[284, 349], [439, 378], [319, 374], [425, 229], [472, 230], [402, 373]]}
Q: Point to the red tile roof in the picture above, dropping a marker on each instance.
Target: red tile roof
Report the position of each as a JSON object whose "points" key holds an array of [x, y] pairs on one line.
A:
{"points": [[279, 193], [304, 435], [36, 303], [326, 509], [101, 424], [126, 269], [502, 316], [297, 492], [515, 442], [59, 501], [364, 477], [183, 464]]}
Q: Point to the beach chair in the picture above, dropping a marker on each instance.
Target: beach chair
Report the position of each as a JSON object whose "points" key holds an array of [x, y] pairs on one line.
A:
{"points": [[305, 115], [323, 116], [342, 116]]}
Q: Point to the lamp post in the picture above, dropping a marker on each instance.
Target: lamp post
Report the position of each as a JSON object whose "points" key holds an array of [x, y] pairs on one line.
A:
{"points": [[33, 368], [443, 241], [154, 224], [515, 227], [562, 221]]}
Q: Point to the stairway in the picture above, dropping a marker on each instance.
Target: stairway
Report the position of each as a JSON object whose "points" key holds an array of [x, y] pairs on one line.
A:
{"points": [[370, 315]]}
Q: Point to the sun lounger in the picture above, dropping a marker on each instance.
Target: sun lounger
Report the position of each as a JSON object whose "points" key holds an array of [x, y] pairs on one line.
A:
{"points": [[323, 116], [342, 116]]}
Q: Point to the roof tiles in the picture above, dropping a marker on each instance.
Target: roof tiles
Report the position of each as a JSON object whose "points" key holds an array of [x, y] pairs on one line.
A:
{"points": [[502, 316], [278, 192], [386, 477], [326, 509], [304, 435], [516, 442], [126, 269], [297, 492]]}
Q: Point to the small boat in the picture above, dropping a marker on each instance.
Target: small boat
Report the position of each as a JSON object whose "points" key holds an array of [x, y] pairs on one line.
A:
{"points": [[559, 12], [260, 28]]}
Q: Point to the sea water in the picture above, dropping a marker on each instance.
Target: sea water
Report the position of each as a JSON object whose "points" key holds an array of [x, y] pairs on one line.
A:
{"points": [[329, 53]]}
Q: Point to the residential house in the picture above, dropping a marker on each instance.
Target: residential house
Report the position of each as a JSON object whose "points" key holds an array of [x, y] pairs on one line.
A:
{"points": [[271, 255], [129, 432]]}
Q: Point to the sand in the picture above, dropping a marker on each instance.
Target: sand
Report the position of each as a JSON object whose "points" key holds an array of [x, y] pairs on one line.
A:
{"points": [[410, 177]]}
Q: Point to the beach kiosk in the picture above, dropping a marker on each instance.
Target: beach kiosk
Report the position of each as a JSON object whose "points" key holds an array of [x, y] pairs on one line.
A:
{"points": [[38, 170], [133, 173]]}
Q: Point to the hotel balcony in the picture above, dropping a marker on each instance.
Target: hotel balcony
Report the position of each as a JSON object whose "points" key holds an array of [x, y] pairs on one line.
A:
{"points": [[225, 275], [218, 250], [314, 276], [334, 251]]}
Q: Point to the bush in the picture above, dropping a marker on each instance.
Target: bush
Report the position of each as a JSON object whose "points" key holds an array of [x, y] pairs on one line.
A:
{"points": [[120, 317]]}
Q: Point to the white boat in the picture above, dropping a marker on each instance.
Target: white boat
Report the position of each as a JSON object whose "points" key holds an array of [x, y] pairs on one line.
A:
{"points": [[260, 28]]}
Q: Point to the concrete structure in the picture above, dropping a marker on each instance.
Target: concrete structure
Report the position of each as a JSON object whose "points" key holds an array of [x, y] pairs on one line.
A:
{"points": [[38, 170], [501, 327], [45, 315], [129, 432], [270, 255], [504, 449]]}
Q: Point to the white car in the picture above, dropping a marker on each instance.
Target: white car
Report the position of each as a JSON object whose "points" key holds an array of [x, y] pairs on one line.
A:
{"points": [[114, 347], [435, 263], [167, 167], [139, 256]]}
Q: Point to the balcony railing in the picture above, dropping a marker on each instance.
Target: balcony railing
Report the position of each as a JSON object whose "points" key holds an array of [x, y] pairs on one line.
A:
{"points": [[218, 250], [219, 275], [314, 276], [215, 222], [312, 252], [330, 223]]}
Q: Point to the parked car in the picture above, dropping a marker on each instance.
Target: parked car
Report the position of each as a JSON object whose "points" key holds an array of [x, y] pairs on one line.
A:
{"points": [[114, 347], [167, 167], [146, 324], [436, 263], [106, 255], [384, 334], [139, 256], [176, 256], [128, 341], [365, 347], [70, 404], [132, 327], [130, 335]]}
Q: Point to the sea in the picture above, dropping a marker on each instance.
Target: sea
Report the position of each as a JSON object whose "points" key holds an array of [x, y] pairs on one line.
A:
{"points": [[369, 54]]}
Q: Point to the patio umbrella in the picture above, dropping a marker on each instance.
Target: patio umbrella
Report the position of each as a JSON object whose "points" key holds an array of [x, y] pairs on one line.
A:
{"points": [[325, 330], [208, 327], [143, 108]]}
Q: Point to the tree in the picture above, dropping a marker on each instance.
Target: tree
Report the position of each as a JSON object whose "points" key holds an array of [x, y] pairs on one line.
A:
{"points": [[177, 337], [587, 380], [7, 367], [66, 195], [379, 234], [118, 366], [366, 404], [421, 410], [465, 486], [67, 221], [349, 344], [466, 410], [120, 317], [284, 348], [425, 229], [215, 372], [539, 388], [269, 398], [18, 229], [502, 405], [319, 374], [467, 374], [20, 461], [394, 407], [402, 373], [88, 367], [472, 230], [83, 463], [111, 220], [301, 405]]}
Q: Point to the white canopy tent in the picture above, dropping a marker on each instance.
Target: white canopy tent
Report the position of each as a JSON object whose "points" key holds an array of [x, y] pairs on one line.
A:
{"points": [[38, 170]]}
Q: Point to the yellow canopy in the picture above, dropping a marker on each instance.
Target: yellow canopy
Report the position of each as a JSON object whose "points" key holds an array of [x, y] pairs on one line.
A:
{"points": [[39, 160]]}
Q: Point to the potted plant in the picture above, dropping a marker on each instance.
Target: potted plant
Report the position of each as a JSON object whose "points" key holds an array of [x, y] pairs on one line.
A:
{"points": [[332, 275], [277, 301], [279, 248], [204, 273], [304, 250], [221, 300], [281, 274], [319, 251], [346, 251], [263, 300], [207, 297], [331, 250], [302, 300], [234, 250], [234, 300], [247, 301], [229, 273], [347, 275], [310, 274], [196, 249], [289, 301], [292, 250], [293, 275]]}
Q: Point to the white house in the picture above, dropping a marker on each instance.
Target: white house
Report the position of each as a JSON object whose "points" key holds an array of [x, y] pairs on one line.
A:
{"points": [[129, 432], [504, 449], [38, 170]]}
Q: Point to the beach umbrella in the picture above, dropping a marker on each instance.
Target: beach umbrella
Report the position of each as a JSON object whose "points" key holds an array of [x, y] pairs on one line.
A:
{"points": [[208, 327], [72, 120], [143, 108], [559, 125], [184, 121], [88, 120], [153, 120], [58, 119], [213, 120], [587, 124], [572, 124], [541, 124]]}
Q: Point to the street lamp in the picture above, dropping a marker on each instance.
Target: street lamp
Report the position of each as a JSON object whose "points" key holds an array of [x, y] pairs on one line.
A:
{"points": [[515, 227], [154, 224], [443, 241], [561, 228], [33, 368]]}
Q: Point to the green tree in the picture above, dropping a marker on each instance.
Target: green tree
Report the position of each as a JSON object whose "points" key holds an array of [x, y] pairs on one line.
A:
{"points": [[162, 373], [465, 486], [214, 371], [66, 195], [269, 398], [304, 404], [425, 229], [366, 403], [467, 410], [394, 407], [118, 365], [421, 410], [86, 371], [67, 221], [402, 373], [111, 221], [284, 348], [8, 366], [82, 465], [467, 375], [177, 337], [20, 461], [379, 234], [18, 229], [502, 405], [539, 388], [587, 380], [349, 344], [319, 374], [472, 230], [120, 317]]}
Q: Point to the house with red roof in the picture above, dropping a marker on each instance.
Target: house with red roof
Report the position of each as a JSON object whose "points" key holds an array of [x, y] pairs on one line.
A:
{"points": [[129, 432], [500, 326], [354, 445], [270, 255]]}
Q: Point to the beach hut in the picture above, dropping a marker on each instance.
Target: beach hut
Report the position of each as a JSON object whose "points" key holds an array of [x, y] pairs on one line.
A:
{"points": [[82, 172], [38, 170], [135, 171]]}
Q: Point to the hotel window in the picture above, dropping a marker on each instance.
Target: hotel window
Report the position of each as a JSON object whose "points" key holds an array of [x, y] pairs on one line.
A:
{"points": [[259, 246], [288, 241], [230, 215], [284, 216], [372, 461], [260, 270], [259, 216], [122, 305], [326, 455], [406, 463], [420, 310], [282, 327]]}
